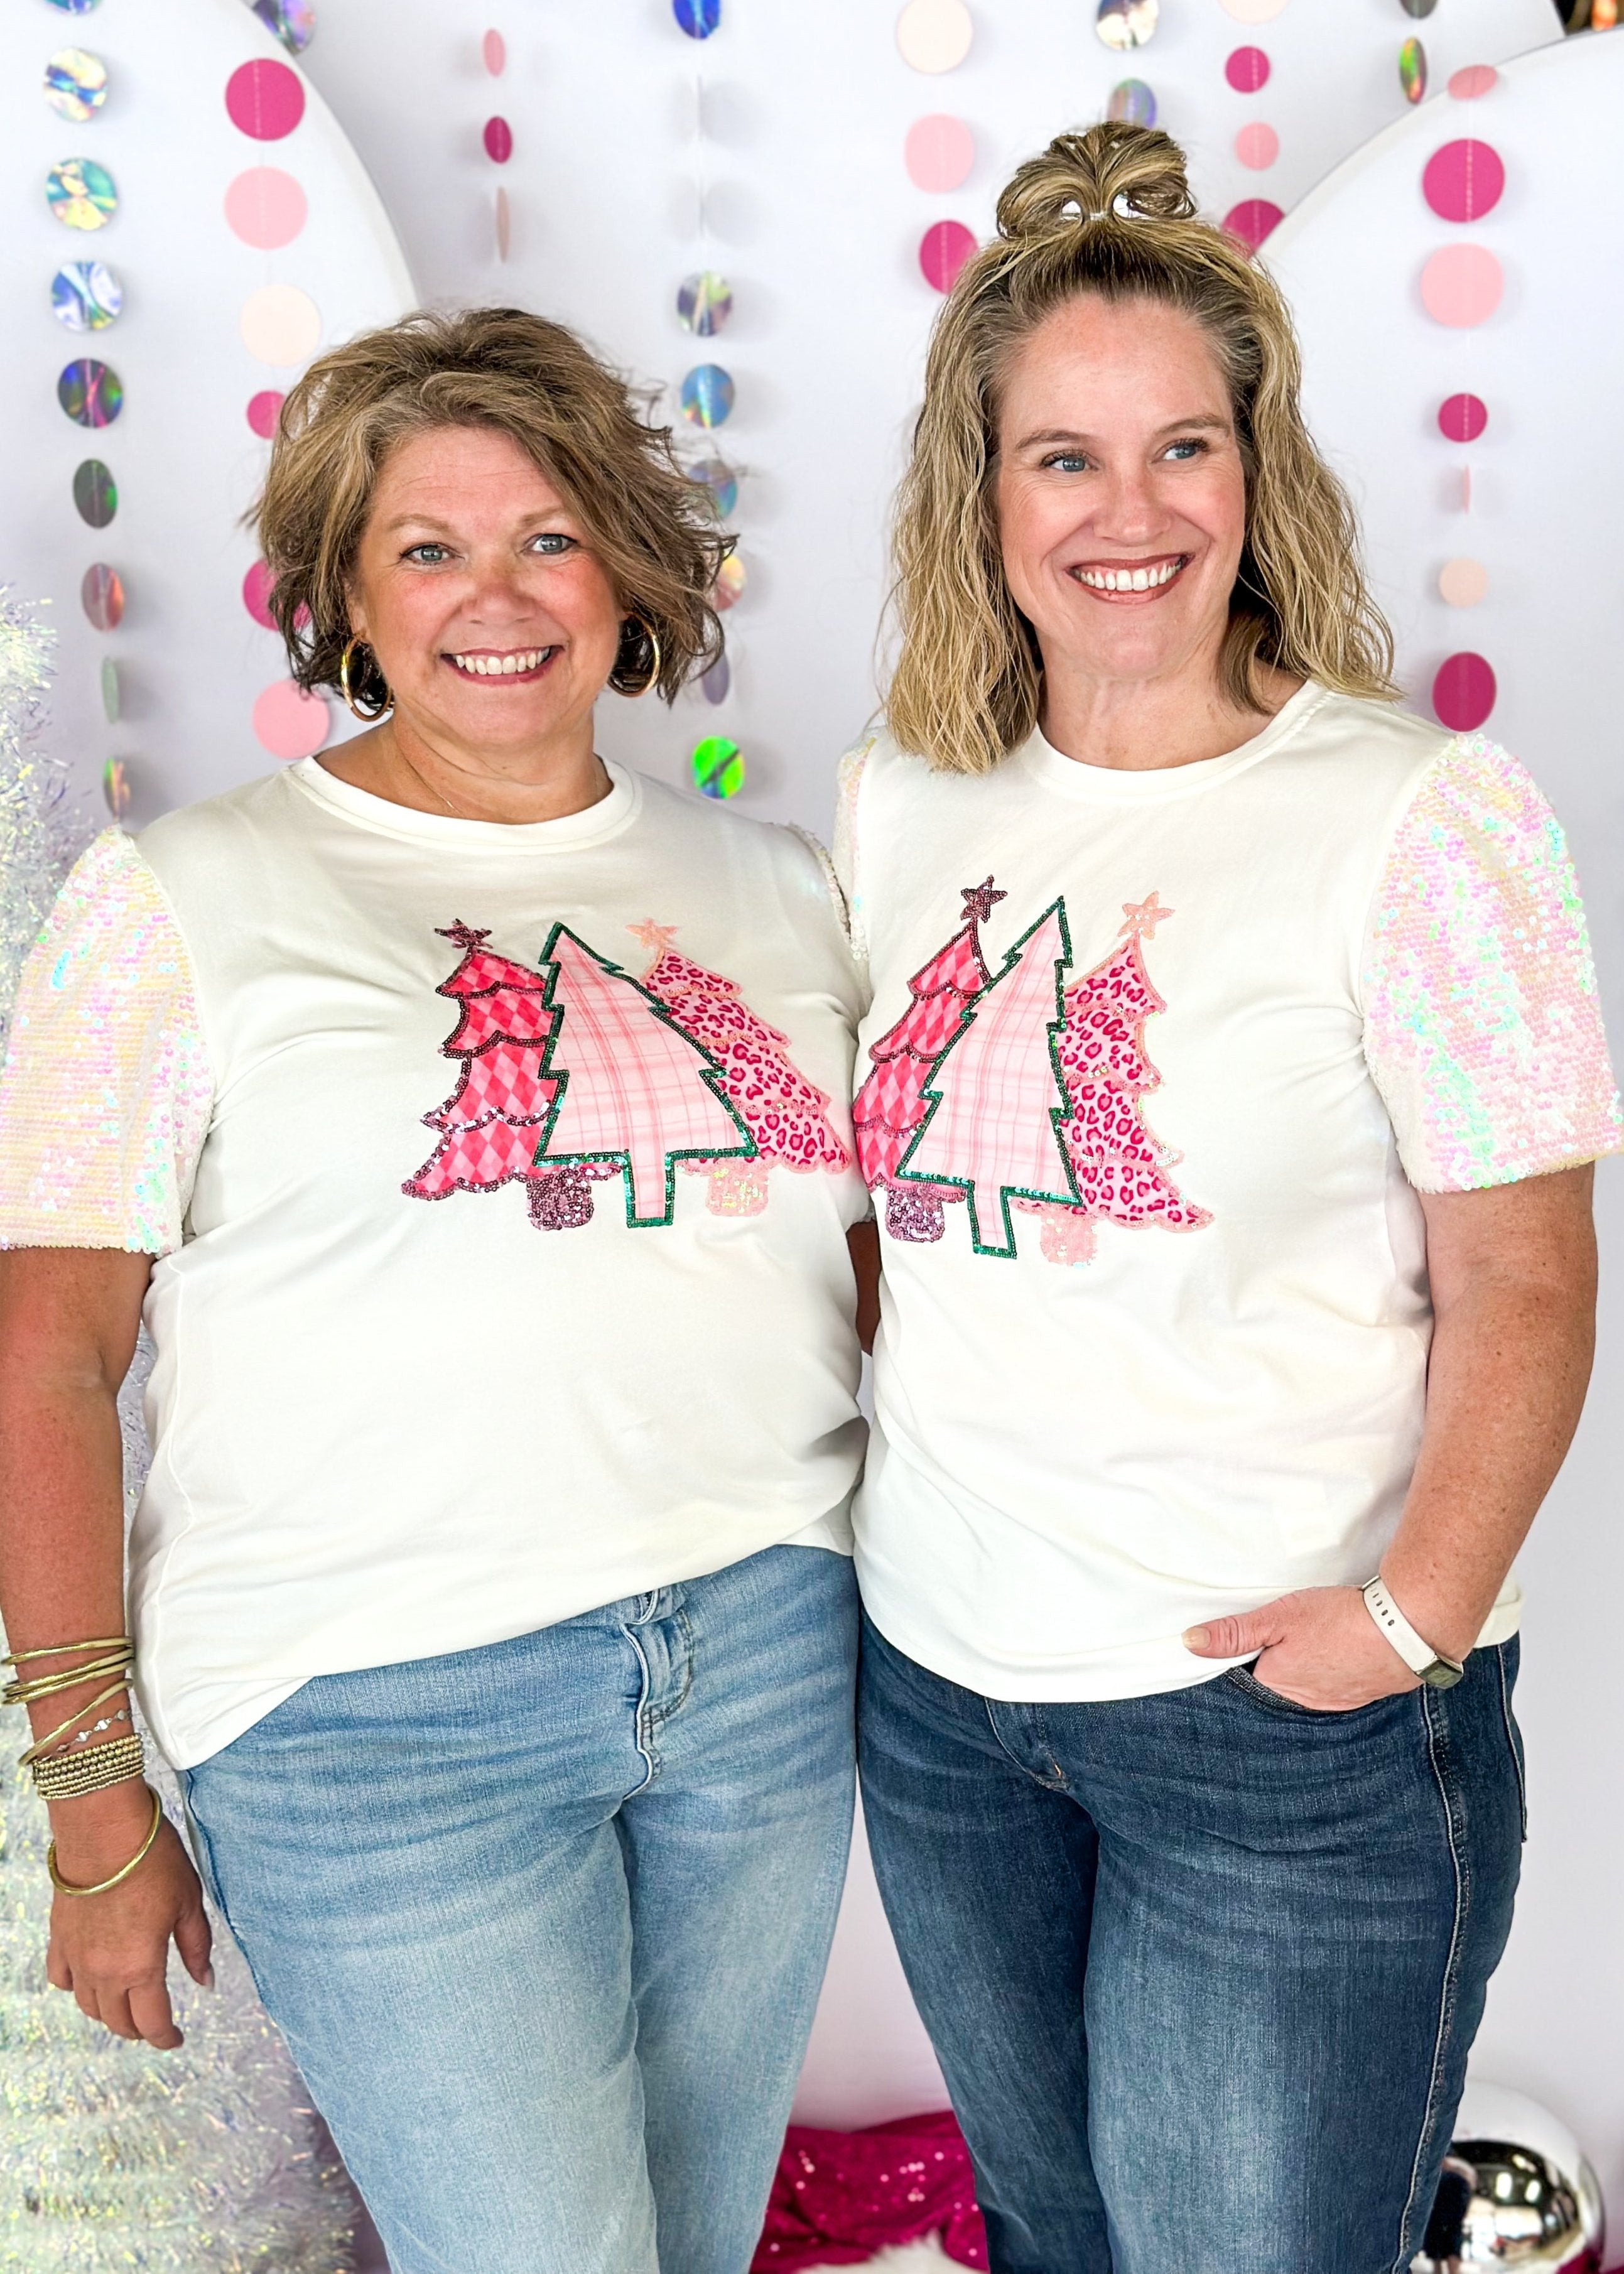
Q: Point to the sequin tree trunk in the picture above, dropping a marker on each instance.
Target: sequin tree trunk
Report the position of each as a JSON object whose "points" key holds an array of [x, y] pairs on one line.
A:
{"points": [[785, 1114], [891, 1103]]}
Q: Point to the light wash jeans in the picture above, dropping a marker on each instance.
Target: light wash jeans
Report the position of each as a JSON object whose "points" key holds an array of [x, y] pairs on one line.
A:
{"points": [[543, 1923]]}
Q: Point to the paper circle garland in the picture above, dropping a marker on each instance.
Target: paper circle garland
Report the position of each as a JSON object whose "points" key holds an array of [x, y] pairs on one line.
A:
{"points": [[934, 35], [720, 484], [74, 7], [1473, 81], [293, 21], [1412, 71], [1462, 584], [714, 684], [494, 53], [1463, 181], [80, 193], [729, 585], [1464, 692], [939, 152], [116, 787], [1252, 221], [86, 297], [280, 324], [264, 98], [704, 303], [76, 84], [1418, 7], [498, 141], [112, 694], [287, 722], [257, 595], [1257, 145], [266, 209], [102, 596], [95, 493], [1132, 103], [707, 396], [1247, 69], [943, 252], [697, 18], [1463, 417], [264, 410], [1124, 24], [91, 393], [718, 766], [1461, 285]]}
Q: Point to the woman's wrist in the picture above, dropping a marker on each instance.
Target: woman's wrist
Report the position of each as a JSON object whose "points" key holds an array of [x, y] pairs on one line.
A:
{"points": [[99, 1831], [1441, 1613]]}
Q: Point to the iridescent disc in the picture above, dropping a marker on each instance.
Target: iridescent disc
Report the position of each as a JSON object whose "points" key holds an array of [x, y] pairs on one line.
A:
{"points": [[1133, 104], [1127, 23], [707, 396], [112, 695], [697, 18], [96, 492], [719, 767], [102, 593], [76, 84], [86, 297], [91, 393], [504, 223], [730, 582], [1412, 71], [80, 193], [74, 7], [116, 787], [293, 21], [704, 303], [719, 482], [714, 684], [1418, 7]]}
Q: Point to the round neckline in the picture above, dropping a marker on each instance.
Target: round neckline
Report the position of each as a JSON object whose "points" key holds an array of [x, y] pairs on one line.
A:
{"points": [[567, 831], [1074, 777]]}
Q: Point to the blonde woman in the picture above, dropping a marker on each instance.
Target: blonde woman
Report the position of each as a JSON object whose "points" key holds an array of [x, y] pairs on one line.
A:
{"points": [[457, 1108], [1232, 1074]]}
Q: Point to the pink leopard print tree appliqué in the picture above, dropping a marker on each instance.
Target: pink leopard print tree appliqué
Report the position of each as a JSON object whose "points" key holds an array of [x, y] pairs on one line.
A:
{"points": [[785, 1114]]}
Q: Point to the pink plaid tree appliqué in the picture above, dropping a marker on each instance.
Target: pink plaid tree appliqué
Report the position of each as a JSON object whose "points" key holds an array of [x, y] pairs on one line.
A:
{"points": [[785, 1114], [891, 1103], [996, 1099], [634, 1091]]}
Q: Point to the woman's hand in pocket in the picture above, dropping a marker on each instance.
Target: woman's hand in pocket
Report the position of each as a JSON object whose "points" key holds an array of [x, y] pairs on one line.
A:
{"points": [[1319, 1647]]}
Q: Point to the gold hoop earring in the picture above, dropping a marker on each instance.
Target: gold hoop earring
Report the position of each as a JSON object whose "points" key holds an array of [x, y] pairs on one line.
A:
{"points": [[356, 708], [652, 636]]}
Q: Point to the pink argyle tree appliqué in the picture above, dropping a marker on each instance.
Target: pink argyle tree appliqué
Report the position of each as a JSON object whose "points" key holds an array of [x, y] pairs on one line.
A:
{"points": [[785, 1114], [892, 1103]]}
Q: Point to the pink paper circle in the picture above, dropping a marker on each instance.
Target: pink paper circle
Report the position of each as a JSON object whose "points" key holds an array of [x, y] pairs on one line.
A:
{"points": [[1257, 145], [1463, 181], [264, 98], [1473, 82], [1463, 583], [943, 252], [497, 140], [1463, 417], [939, 152], [1247, 69], [1252, 220], [1462, 286], [288, 723], [257, 595], [266, 209], [493, 48], [264, 410], [1464, 692]]}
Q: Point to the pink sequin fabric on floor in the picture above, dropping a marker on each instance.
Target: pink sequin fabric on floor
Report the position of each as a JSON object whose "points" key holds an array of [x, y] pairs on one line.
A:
{"points": [[839, 2198]]}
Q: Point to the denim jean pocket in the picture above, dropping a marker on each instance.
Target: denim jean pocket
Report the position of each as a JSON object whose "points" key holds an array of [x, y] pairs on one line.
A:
{"points": [[1507, 1654], [1258, 1693]]}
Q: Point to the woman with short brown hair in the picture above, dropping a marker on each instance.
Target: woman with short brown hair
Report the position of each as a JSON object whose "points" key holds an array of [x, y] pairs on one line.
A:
{"points": [[1235, 1070], [491, 1590]]}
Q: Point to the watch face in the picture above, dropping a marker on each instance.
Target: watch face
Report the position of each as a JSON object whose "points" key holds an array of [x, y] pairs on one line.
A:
{"points": [[1441, 1676]]}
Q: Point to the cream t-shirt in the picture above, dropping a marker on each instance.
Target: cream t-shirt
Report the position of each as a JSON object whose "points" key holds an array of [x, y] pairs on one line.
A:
{"points": [[1155, 1066], [498, 1180]]}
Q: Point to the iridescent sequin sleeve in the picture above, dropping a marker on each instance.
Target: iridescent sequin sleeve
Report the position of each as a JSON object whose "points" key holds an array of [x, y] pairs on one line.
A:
{"points": [[107, 1090], [1481, 1027]]}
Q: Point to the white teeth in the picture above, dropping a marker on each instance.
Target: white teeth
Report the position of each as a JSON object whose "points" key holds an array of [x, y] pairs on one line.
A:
{"points": [[1141, 580], [1130, 580], [501, 666]]}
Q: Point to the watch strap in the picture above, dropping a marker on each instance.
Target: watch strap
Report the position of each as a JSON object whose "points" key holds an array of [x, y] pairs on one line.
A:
{"points": [[1418, 1655]]}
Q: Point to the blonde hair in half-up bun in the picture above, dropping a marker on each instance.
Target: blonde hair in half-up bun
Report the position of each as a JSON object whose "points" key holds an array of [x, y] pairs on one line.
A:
{"points": [[1109, 211]]}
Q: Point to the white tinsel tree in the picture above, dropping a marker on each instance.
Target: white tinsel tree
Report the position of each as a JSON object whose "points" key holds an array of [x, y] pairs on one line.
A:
{"points": [[207, 2160]]}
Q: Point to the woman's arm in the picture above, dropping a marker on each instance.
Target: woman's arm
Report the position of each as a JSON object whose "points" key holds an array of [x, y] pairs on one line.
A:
{"points": [[69, 1319], [1513, 1272]]}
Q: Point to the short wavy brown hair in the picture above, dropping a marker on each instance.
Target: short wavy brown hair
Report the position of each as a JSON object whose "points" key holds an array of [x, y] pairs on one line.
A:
{"points": [[1109, 212], [648, 524]]}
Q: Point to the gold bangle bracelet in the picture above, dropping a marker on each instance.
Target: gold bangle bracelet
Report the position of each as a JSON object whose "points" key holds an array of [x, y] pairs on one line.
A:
{"points": [[63, 1649], [101, 1885], [72, 1678], [38, 1751]]}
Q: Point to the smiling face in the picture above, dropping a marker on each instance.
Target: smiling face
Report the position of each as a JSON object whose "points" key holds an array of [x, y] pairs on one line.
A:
{"points": [[476, 588], [1120, 493]]}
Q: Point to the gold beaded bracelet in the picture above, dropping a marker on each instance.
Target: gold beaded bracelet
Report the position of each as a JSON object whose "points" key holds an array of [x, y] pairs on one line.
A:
{"points": [[96, 1768], [64, 1887]]}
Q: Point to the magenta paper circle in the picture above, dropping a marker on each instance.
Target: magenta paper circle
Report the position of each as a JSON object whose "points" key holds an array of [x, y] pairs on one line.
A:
{"points": [[1464, 692], [1463, 181], [257, 595], [1462, 286], [264, 98], [497, 140], [264, 410], [1247, 69], [943, 252], [266, 209], [1463, 417], [1252, 220], [939, 152], [288, 723]]}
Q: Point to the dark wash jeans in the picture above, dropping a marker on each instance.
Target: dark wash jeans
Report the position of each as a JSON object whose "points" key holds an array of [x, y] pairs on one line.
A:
{"points": [[1202, 1970]]}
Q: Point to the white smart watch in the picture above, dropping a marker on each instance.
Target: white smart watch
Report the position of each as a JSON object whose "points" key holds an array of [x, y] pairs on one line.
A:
{"points": [[1434, 1669]]}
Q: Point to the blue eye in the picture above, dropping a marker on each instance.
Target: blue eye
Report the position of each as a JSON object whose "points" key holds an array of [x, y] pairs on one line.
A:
{"points": [[1067, 461], [421, 553], [551, 543], [1190, 447]]}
